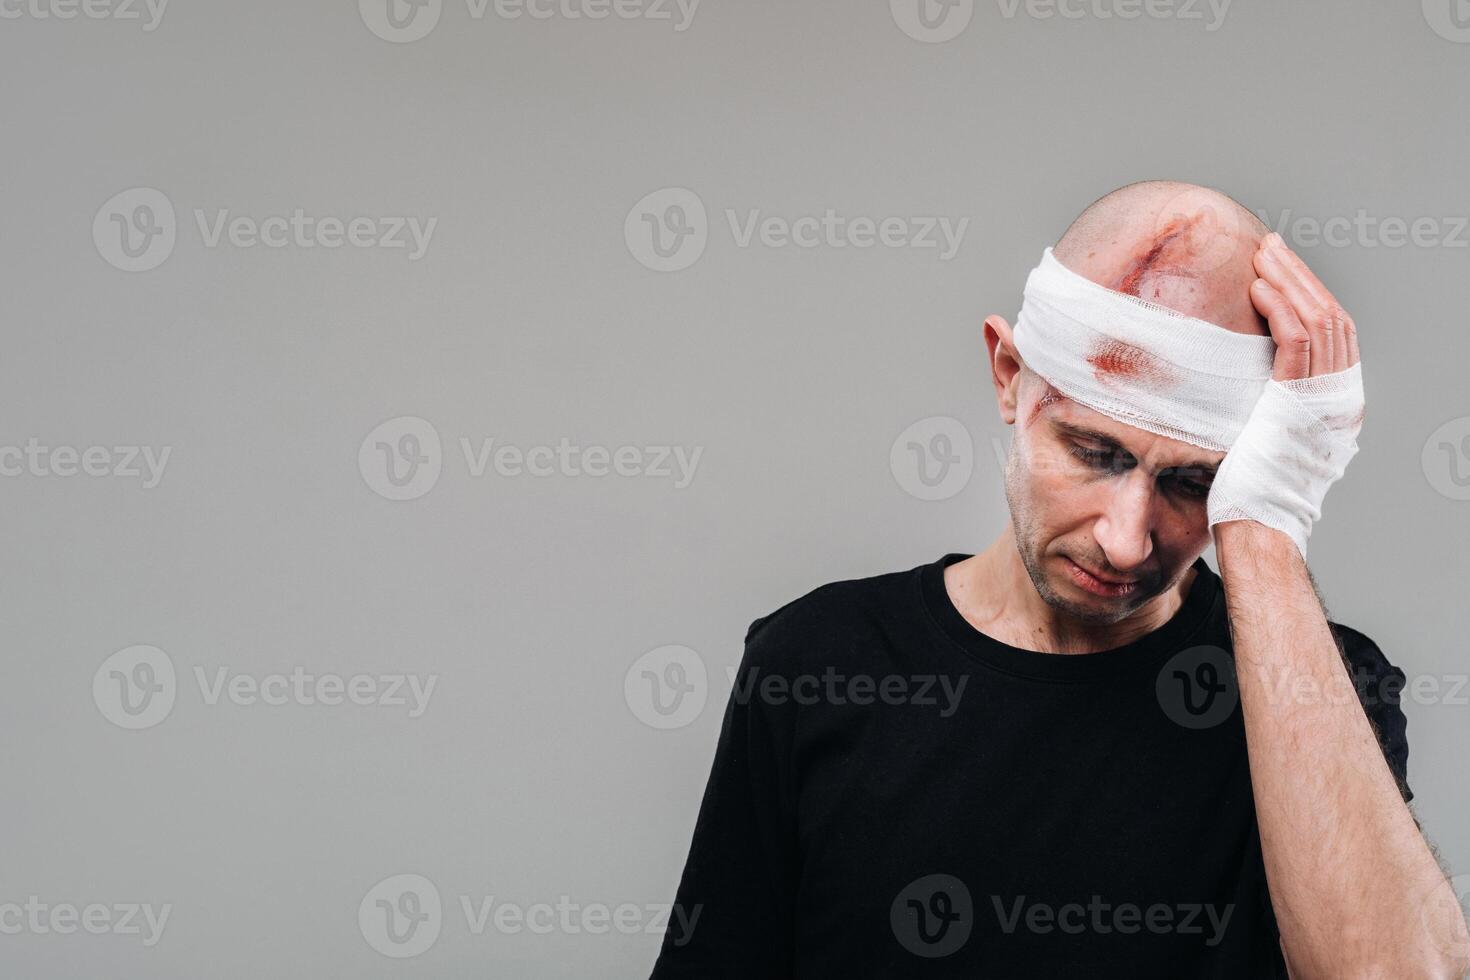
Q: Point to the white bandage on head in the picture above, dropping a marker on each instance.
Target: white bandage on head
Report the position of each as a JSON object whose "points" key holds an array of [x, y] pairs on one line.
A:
{"points": [[1173, 375], [1137, 362]]}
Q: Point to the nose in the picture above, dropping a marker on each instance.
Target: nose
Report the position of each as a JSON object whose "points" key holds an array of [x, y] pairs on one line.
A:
{"points": [[1124, 529]]}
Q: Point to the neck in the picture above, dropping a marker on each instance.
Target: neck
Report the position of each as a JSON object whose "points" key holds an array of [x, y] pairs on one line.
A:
{"points": [[995, 594]]}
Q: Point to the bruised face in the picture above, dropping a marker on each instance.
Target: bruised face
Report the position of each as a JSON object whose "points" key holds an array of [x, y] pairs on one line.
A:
{"points": [[1106, 516]]}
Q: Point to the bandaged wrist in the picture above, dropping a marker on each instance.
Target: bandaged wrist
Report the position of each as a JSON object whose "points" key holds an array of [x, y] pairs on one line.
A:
{"points": [[1297, 443]]}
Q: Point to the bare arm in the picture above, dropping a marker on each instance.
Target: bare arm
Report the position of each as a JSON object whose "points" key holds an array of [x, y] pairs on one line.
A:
{"points": [[1356, 889]]}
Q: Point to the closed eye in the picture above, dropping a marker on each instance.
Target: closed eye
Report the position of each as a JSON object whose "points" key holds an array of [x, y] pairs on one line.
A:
{"points": [[1102, 459], [1186, 480]]}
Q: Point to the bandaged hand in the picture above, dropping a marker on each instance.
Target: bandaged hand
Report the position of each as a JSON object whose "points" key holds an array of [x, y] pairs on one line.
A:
{"points": [[1303, 430]]}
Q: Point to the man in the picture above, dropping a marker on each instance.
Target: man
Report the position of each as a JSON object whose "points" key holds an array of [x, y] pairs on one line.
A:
{"points": [[1121, 764]]}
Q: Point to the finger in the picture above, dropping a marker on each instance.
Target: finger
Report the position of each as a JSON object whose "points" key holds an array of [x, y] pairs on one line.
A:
{"points": [[1324, 325], [1273, 266], [1341, 357], [1293, 343], [1329, 339], [1304, 274], [1338, 360], [1280, 272]]}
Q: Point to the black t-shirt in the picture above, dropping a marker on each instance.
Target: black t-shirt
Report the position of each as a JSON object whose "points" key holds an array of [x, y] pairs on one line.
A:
{"points": [[895, 794]]}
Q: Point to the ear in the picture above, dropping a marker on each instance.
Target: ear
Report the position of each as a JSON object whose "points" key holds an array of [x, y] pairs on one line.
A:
{"points": [[1005, 366]]}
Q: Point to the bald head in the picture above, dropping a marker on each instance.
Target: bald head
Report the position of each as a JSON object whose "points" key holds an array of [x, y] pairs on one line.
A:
{"points": [[1182, 246]]}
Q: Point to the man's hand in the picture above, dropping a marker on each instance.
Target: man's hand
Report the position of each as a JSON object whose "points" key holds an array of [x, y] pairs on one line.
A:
{"points": [[1313, 333], [1303, 429]]}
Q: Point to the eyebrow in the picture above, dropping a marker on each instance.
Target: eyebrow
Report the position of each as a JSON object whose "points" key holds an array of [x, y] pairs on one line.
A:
{"points": [[1083, 432]]}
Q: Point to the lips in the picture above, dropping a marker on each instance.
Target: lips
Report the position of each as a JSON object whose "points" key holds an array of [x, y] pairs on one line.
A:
{"points": [[1104, 578], [1097, 584]]}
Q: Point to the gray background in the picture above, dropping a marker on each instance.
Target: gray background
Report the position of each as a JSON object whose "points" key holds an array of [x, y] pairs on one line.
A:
{"points": [[530, 776]]}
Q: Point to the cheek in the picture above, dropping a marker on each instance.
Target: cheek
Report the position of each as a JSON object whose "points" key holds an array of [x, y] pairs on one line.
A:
{"points": [[1055, 493], [1180, 530], [1046, 464], [1190, 528]]}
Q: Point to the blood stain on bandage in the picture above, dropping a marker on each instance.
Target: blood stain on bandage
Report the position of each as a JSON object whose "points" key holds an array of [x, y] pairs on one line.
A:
{"points": [[1114, 362], [1339, 423]]}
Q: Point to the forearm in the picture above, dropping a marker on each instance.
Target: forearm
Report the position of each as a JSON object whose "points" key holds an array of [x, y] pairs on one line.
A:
{"points": [[1356, 890]]}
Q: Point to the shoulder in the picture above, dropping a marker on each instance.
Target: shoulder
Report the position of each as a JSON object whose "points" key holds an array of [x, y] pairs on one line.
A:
{"points": [[1361, 653], [1377, 681], [834, 616], [1378, 684]]}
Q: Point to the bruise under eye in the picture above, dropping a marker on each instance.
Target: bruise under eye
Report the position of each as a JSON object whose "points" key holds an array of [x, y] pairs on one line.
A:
{"points": [[1099, 452], [1193, 481]]}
